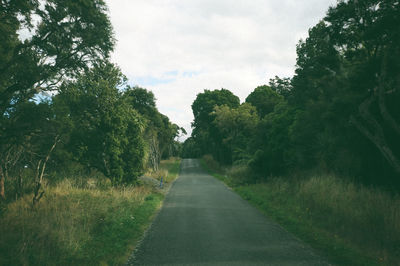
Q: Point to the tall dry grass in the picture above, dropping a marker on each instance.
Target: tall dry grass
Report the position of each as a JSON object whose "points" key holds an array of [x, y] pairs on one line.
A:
{"points": [[352, 224], [367, 219], [366, 216], [68, 224]]}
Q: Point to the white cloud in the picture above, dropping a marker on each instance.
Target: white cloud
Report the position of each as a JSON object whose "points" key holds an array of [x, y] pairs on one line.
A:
{"points": [[179, 48]]}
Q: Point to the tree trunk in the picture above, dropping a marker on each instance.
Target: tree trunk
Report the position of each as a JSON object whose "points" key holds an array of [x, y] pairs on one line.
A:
{"points": [[41, 167], [375, 133], [382, 104], [154, 157], [2, 180], [18, 189]]}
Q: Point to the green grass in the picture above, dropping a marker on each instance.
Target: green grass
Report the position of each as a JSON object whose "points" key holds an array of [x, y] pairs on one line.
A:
{"points": [[169, 170], [78, 226], [348, 224]]}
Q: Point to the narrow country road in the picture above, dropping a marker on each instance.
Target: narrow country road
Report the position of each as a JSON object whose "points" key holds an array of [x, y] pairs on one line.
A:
{"points": [[202, 222]]}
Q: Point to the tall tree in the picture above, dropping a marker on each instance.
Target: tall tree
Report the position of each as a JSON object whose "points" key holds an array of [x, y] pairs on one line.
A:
{"points": [[159, 132], [205, 133], [367, 35], [48, 41], [264, 99], [107, 131], [237, 127], [41, 44]]}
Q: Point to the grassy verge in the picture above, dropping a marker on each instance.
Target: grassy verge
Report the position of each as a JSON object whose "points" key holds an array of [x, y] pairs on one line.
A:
{"points": [[348, 224], [79, 226], [169, 170]]}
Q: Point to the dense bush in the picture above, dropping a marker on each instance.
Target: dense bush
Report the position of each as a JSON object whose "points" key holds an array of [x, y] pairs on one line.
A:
{"points": [[338, 113]]}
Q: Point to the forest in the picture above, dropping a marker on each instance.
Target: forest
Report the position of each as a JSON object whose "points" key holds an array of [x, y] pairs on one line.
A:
{"points": [[74, 139], [339, 113], [65, 108]]}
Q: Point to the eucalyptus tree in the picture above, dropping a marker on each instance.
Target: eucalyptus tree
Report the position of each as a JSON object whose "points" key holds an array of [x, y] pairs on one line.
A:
{"points": [[159, 132], [43, 43]]}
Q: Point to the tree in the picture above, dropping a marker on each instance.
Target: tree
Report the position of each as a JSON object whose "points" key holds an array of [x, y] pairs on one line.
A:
{"points": [[190, 149], [69, 35], [365, 33], [264, 99], [31, 150], [281, 86], [107, 132], [345, 89], [41, 44], [237, 127], [205, 133], [271, 146], [159, 132]]}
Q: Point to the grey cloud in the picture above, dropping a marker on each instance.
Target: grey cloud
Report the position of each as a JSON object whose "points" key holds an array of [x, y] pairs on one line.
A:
{"points": [[237, 44]]}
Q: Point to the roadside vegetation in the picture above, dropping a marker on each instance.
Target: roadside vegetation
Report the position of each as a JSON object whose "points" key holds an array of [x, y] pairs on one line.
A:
{"points": [[81, 221], [348, 224], [74, 139], [319, 151]]}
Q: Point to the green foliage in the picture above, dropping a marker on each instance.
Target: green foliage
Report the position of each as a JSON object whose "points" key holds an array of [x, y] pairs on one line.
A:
{"points": [[264, 99], [272, 145], [69, 35], [107, 131], [159, 133], [190, 149], [207, 137], [339, 113], [237, 126], [42, 44], [281, 86]]}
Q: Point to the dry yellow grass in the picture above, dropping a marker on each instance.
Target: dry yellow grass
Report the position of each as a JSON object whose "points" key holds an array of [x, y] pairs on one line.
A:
{"points": [[62, 228]]}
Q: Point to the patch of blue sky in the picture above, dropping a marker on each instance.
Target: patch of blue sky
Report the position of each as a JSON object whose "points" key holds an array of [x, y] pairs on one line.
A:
{"points": [[41, 97], [151, 81], [172, 73]]}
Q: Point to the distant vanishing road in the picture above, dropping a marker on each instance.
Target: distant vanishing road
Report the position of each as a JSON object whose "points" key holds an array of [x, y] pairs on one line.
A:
{"points": [[202, 222]]}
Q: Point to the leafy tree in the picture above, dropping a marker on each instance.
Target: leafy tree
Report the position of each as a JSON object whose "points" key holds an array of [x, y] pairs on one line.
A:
{"points": [[205, 133], [68, 36], [41, 44], [190, 149], [237, 127], [264, 99], [272, 146], [364, 32], [107, 132], [281, 86], [159, 132]]}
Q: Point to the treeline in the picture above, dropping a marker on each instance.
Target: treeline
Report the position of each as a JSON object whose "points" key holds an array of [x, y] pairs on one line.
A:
{"points": [[65, 109], [339, 113]]}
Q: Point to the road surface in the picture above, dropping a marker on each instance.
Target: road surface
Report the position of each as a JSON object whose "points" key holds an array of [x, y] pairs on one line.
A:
{"points": [[203, 222]]}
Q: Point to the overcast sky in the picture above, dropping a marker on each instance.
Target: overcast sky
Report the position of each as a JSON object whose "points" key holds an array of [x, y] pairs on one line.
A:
{"points": [[178, 48]]}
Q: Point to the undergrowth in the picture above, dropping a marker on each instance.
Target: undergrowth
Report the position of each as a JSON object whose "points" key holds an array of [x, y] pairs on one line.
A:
{"points": [[349, 224], [95, 224]]}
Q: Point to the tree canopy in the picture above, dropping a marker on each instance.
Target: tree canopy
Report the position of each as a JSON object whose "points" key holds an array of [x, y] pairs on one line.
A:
{"points": [[338, 113], [64, 106]]}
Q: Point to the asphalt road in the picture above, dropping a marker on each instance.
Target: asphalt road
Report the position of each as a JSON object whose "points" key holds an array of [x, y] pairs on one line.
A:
{"points": [[202, 222]]}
